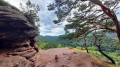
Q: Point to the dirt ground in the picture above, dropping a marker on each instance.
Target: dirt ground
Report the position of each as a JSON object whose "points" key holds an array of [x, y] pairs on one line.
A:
{"points": [[64, 57]]}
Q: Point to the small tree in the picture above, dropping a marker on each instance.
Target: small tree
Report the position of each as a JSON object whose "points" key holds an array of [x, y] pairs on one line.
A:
{"points": [[98, 42], [30, 11], [43, 45], [59, 46]]}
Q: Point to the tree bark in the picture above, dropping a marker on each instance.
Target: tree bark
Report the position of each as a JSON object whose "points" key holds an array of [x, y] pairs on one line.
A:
{"points": [[117, 26], [99, 48], [113, 16]]}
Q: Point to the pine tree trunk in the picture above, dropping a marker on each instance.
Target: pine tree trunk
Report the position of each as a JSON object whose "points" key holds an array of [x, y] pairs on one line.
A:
{"points": [[99, 48], [117, 26], [113, 16]]}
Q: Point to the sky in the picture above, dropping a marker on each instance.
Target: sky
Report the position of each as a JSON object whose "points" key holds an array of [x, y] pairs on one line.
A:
{"points": [[46, 17]]}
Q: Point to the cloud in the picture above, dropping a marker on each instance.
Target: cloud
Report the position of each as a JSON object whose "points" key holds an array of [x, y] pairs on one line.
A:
{"points": [[53, 32], [118, 14], [16, 3], [46, 17]]}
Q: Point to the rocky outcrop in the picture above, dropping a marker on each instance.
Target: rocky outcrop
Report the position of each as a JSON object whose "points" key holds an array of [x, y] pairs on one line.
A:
{"points": [[14, 26], [17, 35], [15, 61], [67, 58]]}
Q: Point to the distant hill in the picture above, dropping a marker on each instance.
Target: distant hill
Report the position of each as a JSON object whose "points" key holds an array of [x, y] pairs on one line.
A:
{"points": [[52, 37], [111, 34], [45, 39], [57, 37], [108, 34]]}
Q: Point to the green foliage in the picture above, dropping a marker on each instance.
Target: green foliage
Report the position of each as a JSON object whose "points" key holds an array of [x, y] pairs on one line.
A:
{"points": [[95, 1], [101, 42], [43, 45], [47, 43], [31, 11], [80, 48], [93, 51], [68, 36], [77, 28], [53, 43], [82, 16], [106, 43], [92, 48], [96, 53], [59, 46], [114, 55], [3, 3], [117, 42], [110, 23]]}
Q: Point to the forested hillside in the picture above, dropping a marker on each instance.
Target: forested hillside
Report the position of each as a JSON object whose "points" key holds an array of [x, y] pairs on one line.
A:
{"points": [[55, 40]]}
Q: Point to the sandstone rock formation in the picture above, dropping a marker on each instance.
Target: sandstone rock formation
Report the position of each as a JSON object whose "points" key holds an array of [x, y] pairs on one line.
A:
{"points": [[17, 35], [14, 27]]}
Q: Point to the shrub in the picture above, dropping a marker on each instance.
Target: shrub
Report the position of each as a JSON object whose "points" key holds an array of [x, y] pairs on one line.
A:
{"points": [[59, 46], [80, 48]]}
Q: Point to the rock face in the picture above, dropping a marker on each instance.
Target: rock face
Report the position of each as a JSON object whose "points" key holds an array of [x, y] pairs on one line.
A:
{"points": [[17, 35], [12, 62], [14, 26]]}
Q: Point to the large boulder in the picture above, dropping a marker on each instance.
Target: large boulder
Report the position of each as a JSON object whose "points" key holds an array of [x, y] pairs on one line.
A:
{"points": [[14, 26], [17, 35]]}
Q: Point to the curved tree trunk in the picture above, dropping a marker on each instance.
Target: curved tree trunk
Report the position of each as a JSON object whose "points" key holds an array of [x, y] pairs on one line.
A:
{"points": [[99, 48], [117, 26], [113, 16]]}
